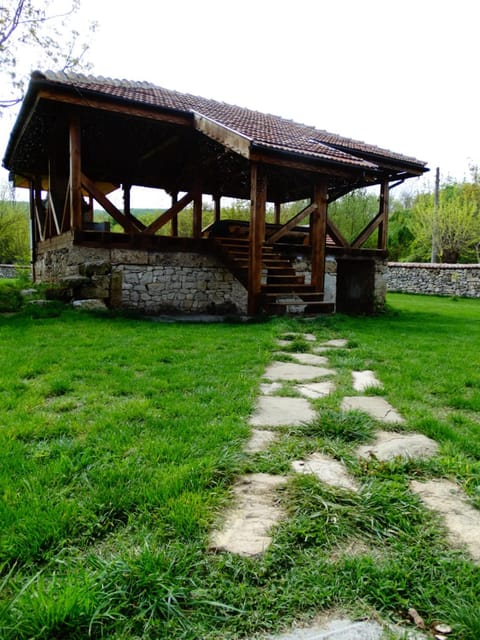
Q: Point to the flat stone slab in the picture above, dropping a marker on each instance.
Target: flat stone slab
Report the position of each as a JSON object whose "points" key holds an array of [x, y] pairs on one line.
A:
{"points": [[90, 304], [326, 469], [260, 440], [247, 524], [294, 371], [365, 380], [376, 407], [316, 390], [269, 388], [341, 629], [461, 519], [277, 411], [309, 358], [339, 343], [389, 445], [345, 629]]}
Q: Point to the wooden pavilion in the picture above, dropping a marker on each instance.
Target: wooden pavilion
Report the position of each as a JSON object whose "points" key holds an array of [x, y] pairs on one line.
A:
{"points": [[78, 138]]}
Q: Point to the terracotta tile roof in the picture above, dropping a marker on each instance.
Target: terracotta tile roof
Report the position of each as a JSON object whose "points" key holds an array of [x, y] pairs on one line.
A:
{"points": [[265, 130]]}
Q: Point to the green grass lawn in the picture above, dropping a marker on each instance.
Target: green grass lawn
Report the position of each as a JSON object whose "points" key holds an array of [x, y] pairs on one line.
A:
{"points": [[120, 439]]}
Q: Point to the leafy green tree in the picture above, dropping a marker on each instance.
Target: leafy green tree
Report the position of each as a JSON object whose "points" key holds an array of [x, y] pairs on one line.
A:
{"points": [[457, 222], [353, 212], [14, 231], [37, 33], [400, 235]]}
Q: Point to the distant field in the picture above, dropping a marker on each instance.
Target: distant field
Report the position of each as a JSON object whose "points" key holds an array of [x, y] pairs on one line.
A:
{"points": [[120, 439]]}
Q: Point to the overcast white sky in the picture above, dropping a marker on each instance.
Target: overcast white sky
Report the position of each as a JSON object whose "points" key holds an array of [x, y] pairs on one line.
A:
{"points": [[402, 75]]}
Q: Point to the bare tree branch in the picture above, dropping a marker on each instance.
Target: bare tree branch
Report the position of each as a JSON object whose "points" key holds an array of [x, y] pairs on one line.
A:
{"points": [[26, 27]]}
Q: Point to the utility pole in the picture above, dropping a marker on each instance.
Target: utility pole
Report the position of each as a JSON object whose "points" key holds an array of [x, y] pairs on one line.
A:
{"points": [[435, 247]]}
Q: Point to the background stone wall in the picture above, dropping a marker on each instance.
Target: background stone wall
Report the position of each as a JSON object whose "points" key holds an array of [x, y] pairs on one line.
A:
{"points": [[12, 271], [461, 280]]}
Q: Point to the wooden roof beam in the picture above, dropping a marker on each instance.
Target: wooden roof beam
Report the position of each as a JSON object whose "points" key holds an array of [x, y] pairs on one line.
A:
{"points": [[279, 159], [111, 209], [169, 214], [288, 226], [336, 235], [367, 232], [227, 137], [82, 99]]}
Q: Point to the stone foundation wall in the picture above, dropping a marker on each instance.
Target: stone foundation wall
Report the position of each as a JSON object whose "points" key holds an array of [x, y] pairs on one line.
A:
{"points": [[380, 284], [181, 282], [151, 282], [462, 280], [303, 268], [174, 281], [376, 299]]}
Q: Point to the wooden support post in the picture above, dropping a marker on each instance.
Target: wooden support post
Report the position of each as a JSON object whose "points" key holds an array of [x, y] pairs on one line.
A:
{"points": [[174, 220], [33, 229], [197, 212], [277, 211], [383, 227], [75, 175], [126, 200], [258, 199], [318, 231], [136, 225], [40, 212], [53, 219], [216, 208]]}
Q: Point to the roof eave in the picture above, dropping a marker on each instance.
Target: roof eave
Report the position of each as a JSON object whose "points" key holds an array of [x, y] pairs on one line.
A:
{"points": [[331, 165], [26, 111], [412, 165], [41, 87]]}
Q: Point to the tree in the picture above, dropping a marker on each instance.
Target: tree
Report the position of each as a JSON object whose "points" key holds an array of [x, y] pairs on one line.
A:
{"points": [[400, 236], [458, 222], [14, 230], [37, 33], [353, 212]]}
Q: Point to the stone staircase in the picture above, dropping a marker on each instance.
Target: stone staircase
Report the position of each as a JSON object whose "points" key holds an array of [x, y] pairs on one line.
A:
{"points": [[283, 290]]}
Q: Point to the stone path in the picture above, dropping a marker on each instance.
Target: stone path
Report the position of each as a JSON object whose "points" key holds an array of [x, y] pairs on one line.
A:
{"points": [[260, 439], [290, 371], [346, 629], [248, 522], [461, 519], [404, 445], [327, 470], [256, 506], [309, 358], [363, 380], [377, 408], [275, 411], [316, 390]]}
